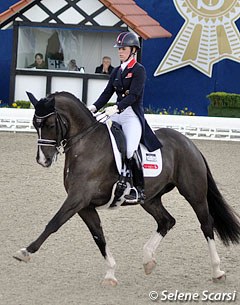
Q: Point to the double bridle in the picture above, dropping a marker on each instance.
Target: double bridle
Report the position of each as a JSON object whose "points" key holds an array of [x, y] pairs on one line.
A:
{"points": [[62, 143], [61, 131]]}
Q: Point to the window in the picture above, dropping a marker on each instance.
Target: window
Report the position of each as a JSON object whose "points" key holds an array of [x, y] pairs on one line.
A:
{"points": [[60, 46]]}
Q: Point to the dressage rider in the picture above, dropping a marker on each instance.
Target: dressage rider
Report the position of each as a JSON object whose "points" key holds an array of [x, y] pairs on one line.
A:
{"points": [[128, 81]]}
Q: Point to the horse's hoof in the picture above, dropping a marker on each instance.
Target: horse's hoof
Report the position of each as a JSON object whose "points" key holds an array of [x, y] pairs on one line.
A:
{"points": [[22, 255], [109, 282], [220, 279], [148, 267]]}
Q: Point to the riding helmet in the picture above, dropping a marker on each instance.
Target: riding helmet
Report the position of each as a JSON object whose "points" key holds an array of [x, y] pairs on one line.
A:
{"points": [[127, 39]]}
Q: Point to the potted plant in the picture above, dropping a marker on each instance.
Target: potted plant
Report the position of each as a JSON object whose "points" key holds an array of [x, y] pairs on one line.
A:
{"points": [[224, 104]]}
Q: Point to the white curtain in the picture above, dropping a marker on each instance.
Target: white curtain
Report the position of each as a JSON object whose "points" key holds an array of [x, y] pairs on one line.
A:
{"points": [[87, 48]]}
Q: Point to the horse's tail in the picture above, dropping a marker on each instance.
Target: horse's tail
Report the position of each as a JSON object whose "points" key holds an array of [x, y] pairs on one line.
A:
{"points": [[226, 221]]}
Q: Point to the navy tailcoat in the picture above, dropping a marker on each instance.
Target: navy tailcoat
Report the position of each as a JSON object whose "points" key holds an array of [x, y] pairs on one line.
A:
{"points": [[129, 87]]}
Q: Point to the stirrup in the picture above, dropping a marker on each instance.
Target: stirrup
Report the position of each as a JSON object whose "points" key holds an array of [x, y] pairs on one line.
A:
{"points": [[135, 196]]}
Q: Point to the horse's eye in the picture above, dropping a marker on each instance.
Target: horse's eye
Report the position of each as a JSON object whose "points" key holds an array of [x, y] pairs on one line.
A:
{"points": [[51, 126]]}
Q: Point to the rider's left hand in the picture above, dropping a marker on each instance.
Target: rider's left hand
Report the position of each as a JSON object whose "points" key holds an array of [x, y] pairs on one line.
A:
{"points": [[92, 108], [111, 110]]}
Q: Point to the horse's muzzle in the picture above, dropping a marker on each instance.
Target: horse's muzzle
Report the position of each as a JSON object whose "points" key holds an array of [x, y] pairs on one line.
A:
{"points": [[44, 158], [46, 163]]}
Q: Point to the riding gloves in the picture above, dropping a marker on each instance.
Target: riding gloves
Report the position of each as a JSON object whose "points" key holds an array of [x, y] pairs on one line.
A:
{"points": [[111, 110], [92, 108]]}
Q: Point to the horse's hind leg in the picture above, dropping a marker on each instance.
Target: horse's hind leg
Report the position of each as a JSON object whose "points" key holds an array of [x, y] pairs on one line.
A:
{"points": [[196, 195], [165, 222], [90, 216], [206, 222]]}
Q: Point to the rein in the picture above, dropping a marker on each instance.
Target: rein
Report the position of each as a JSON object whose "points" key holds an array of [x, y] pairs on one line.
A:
{"points": [[73, 140]]}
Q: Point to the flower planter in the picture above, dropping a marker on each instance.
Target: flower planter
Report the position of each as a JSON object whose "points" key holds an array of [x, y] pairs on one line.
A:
{"points": [[224, 105], [223, 112]]}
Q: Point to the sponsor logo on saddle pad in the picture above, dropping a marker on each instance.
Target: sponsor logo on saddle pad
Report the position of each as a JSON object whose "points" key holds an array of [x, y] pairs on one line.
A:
{"points": [[150, 166], [151, 161], [151, 157]]}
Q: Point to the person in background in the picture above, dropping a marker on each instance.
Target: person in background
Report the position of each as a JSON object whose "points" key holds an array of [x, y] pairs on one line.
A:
{"points": [[106, 67], [39, 63], [128, 82], [72, 65]]}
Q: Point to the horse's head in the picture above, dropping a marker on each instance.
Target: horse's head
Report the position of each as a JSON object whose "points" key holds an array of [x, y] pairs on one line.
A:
{"points": [[51, 128]]}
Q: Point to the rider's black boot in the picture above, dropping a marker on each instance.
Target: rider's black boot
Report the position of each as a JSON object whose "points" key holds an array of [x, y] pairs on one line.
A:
{"points": [[136, 195]]}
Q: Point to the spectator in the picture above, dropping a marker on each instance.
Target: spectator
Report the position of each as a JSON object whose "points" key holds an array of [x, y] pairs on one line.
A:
{"points": [[39, 63], [105, 67], [72, 65]]}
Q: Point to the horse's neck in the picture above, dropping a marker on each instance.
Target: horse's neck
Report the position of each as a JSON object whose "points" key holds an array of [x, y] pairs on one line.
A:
{"points": [[79, 119]]}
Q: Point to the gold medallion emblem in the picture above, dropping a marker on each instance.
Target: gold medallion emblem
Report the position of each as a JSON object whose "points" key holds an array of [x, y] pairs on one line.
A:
{"points": [[208, 35]]}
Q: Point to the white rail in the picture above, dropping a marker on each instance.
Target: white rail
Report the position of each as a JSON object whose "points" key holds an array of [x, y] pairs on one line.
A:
{"points": [[194, 127], [12, 119]]}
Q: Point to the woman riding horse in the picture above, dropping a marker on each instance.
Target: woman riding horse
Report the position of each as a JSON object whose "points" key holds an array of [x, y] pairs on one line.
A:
{"points": [[90, 173], [128, 81]]}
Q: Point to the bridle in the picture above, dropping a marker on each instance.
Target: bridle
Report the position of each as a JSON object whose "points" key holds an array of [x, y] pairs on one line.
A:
{"points": [[61, 131], [62, 143]]}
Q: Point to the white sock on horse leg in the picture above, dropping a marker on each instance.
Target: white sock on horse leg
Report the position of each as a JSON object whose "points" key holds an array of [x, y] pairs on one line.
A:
{"points": [[111, 264], [215, 260], [151, 246]]}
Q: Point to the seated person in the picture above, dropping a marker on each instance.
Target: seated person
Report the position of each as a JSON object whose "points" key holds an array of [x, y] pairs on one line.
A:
{"points": [[39, 62], [72, 65], [105, 67]]}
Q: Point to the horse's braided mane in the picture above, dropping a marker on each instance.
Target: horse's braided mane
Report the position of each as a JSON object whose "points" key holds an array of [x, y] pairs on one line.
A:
{"points": [[65, 94]]}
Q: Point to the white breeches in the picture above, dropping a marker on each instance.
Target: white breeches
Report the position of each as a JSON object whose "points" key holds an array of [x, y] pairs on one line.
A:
{"points": [[131, 127]]}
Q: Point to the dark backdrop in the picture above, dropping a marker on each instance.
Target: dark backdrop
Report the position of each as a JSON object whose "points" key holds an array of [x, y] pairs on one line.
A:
{"points": [[6, 38], [184, 87]]}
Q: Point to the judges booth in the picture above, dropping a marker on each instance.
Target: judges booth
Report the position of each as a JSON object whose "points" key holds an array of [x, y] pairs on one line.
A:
{"points": [[59, 47]]}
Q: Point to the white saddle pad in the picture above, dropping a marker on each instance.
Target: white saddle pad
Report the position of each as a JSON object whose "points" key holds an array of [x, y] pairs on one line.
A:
{"points": [[151, 161]]}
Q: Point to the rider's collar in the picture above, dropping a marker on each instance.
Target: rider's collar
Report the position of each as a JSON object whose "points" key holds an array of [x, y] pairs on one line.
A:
{"points": [[129, 63]]}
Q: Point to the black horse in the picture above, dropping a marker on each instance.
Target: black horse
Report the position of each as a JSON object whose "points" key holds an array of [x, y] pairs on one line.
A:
{"points": [[90, 173]]}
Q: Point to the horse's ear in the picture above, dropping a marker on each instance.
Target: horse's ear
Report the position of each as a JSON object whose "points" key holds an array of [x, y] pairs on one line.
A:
{"points": [[32, 98]]}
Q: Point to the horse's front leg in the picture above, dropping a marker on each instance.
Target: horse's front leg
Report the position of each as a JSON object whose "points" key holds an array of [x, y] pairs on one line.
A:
{"points": [[68, 209], [90, 216]]}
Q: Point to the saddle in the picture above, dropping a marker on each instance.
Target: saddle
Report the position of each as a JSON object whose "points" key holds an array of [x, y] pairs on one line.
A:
{"points": [[151, 161], [118, 134]]}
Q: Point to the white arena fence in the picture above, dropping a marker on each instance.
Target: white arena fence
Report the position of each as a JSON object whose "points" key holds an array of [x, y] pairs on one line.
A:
{"points": [[194, 127]]}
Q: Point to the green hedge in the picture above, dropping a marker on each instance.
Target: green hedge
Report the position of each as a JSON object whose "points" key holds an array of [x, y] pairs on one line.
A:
{"points": [[224, 104], [223, 99]]}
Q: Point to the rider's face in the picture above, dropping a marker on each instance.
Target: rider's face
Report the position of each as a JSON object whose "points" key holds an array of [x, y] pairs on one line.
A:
{"points": [[124, 53]]}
